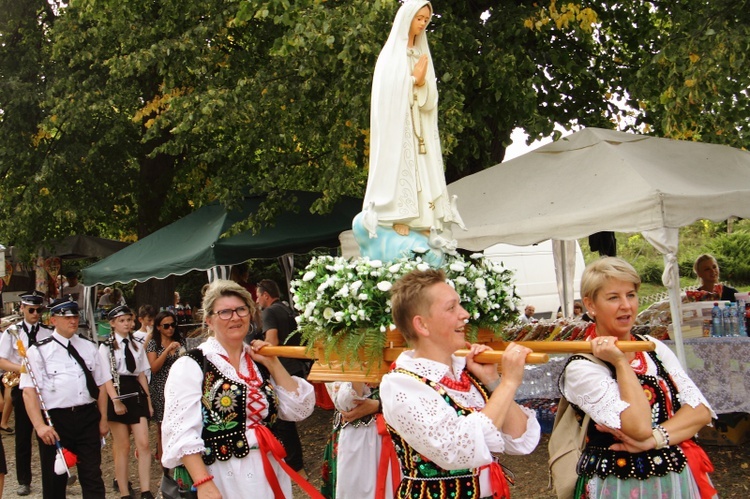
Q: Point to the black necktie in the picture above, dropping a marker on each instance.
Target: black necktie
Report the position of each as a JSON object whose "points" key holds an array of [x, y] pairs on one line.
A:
{"points": [[32, 334], [90, 383], [129, 359]]}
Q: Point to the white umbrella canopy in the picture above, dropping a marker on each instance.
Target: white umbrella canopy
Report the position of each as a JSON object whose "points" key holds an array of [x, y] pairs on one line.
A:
{"points": [[603, 180]]}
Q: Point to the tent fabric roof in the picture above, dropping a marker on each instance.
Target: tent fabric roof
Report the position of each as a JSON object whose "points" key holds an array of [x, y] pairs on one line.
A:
{"points": [[601, 180], [195, 241], [81, 246]]}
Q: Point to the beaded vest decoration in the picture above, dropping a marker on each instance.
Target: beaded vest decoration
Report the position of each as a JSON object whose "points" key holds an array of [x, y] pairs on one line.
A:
{"points": [[224, 403], [598, 459], [421, 477]]}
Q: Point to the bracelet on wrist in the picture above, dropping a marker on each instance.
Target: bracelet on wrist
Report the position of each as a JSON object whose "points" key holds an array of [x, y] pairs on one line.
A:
{"points": [[664, 434], [203, 480], [659, 438]]}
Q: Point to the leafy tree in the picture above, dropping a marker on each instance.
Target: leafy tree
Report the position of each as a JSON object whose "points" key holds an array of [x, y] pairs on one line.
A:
{"points": [[24, 70], [678, 66], [142, 110]]}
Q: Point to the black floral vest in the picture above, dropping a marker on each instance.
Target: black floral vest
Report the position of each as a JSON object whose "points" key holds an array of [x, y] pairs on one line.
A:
{"points": [[224, 404], [423, 479], [598, 459]]}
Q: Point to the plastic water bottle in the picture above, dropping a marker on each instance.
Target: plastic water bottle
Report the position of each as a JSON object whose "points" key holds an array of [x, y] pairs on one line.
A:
{"points": [[741, 317], [727, 324], [734, 326], [717, 326]]}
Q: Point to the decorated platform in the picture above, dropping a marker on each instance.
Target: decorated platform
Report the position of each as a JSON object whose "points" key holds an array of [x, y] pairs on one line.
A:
{"points": [[331, 365]]}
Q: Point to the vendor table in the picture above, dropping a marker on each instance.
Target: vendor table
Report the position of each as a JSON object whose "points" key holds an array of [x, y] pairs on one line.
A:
{"points": [[720, 367]]}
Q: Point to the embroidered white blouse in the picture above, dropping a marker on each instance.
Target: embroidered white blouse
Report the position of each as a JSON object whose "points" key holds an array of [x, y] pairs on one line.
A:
{"points": [[183, 424], [433, 428], [592, 388]]}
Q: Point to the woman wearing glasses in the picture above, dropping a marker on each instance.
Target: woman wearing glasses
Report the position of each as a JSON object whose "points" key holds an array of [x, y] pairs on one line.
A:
{"points": [[221, 399], [163, 350]]}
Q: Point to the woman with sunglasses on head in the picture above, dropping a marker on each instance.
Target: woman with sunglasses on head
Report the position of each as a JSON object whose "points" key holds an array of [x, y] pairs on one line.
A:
{"points": [[220, 400], [162, 350]]}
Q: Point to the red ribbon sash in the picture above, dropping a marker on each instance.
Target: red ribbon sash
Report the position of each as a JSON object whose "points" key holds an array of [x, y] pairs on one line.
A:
{"points": [[700, 466], [267, 442], [500, 487], [388, 459]]}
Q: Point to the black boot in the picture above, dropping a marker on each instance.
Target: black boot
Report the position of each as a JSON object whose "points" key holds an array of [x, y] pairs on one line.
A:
{"points": [[117, 489]]}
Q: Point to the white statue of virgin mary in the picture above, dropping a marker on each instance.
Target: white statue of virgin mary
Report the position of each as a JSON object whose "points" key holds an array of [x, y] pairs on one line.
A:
{"points": [[406, 184]]}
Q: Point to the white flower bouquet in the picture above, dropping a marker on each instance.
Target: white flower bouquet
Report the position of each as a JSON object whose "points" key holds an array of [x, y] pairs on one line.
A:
{"points": [[346, 306]]}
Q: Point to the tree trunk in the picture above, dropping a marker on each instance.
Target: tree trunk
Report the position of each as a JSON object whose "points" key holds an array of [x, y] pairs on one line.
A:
{"points": [[159, 293], [157, 173]]}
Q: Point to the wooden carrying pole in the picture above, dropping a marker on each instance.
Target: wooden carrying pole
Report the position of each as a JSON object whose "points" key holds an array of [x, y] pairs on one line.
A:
{"points": [[539, 349], [391, 354], [576, 346], [336, 370]]}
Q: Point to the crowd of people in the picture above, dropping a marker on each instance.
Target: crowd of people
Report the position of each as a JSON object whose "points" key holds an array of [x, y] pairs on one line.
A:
{"points": [[436, 425], [226, 414], [76, 397]]}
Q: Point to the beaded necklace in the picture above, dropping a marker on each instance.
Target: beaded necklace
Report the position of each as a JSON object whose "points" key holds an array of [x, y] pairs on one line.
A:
{"points": [[256, 402], [639, 363], [461, 385], [252, 379]]}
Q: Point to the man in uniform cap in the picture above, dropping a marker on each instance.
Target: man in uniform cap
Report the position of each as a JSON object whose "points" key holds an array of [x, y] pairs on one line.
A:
{"points": [[30, 330], [69, 373]]}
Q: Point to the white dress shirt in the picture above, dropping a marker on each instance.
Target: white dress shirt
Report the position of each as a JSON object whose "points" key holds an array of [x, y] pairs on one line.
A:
{"points": [[59, 376]]}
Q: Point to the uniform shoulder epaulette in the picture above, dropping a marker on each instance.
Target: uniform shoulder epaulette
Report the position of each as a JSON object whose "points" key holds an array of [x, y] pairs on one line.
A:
{"points": [[85, 338], [46, 340], [44, 326]]}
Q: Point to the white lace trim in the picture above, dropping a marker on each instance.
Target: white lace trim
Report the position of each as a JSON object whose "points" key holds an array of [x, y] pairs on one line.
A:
{"points": [[590, 386], [431, 426], [688, 392]]}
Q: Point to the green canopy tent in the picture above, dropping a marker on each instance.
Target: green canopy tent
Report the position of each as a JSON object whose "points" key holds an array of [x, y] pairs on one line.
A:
{"points": [[195, 241], [81, 246]]}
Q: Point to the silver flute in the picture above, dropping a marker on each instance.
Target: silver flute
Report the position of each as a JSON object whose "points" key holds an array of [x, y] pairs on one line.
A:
{"points": [[111, 342]]}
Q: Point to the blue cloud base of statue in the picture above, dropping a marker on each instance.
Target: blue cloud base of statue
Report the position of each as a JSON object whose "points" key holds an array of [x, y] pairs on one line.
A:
{"points": [[389, 245]]}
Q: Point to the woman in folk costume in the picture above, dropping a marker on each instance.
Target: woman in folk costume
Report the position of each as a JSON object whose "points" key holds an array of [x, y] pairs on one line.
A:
{"points": [[644, 408], [450, 416], [360, 462], [219, 402], [406, 183], [129, 400]]}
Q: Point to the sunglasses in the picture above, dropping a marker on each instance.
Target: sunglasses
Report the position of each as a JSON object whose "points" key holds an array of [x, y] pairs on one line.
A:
{"points": [[37, 310], [168, 325]]}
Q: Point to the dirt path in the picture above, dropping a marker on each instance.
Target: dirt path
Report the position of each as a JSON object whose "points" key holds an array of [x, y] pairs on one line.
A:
{"points": [[731, 478]]}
